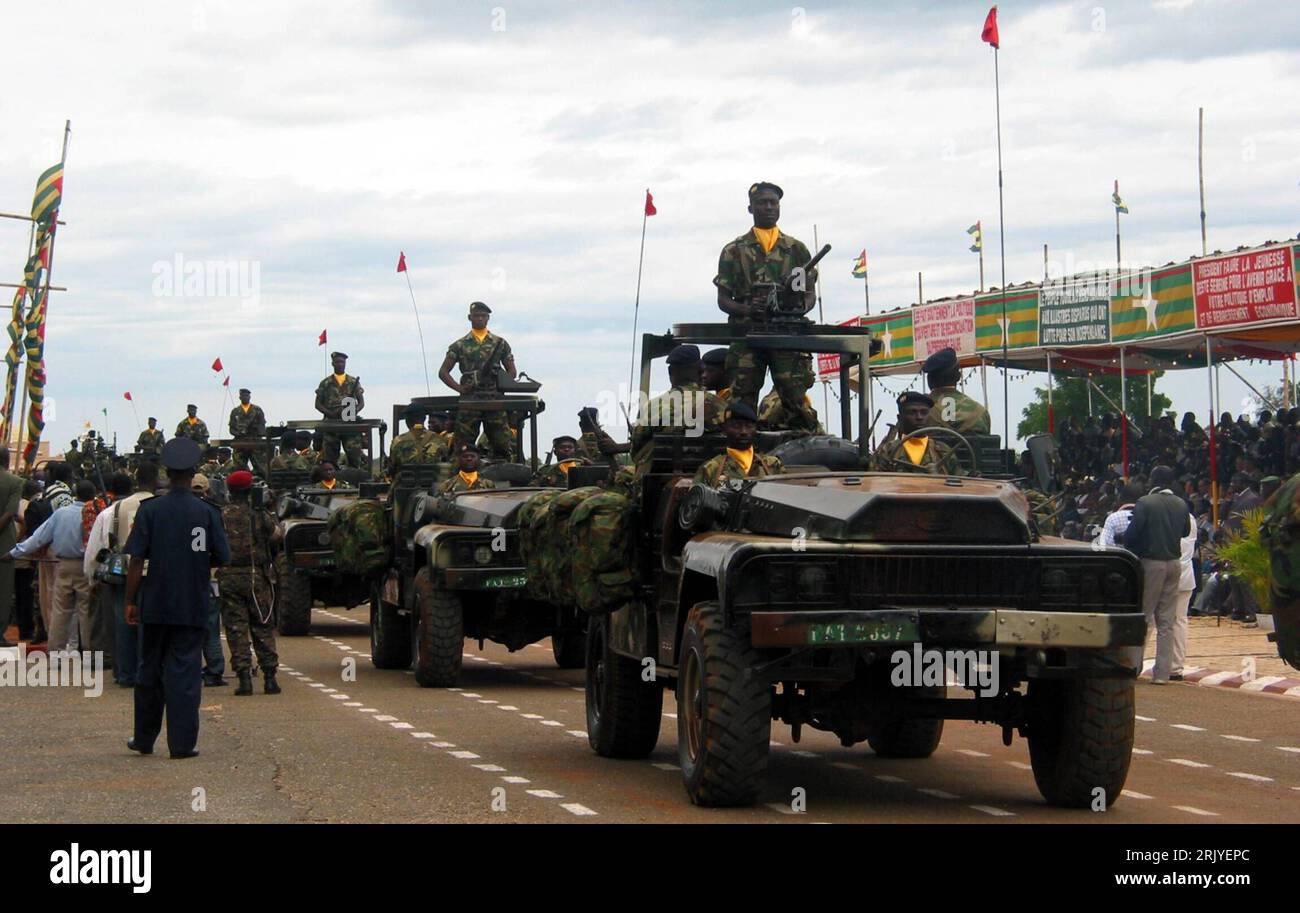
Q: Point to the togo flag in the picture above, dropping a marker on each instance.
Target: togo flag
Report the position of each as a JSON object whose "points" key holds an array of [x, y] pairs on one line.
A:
{"points": [[1120, 205], [976, 232], [860, 265], [49, 192]]}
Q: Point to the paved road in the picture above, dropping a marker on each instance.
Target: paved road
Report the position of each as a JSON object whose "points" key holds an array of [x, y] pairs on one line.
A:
{"points": [[509, 746]]}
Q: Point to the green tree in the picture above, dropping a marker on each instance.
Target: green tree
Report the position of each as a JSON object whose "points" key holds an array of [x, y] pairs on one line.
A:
{"points": [[1070, 398]]}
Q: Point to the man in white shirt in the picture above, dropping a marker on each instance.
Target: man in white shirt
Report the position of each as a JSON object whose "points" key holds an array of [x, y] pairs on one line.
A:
{"points": [[1119, 518], [126, 647], [1186, 584]]}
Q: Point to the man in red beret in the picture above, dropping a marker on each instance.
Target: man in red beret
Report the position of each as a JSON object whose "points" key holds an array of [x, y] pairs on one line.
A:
{"points": [[245, 586]]}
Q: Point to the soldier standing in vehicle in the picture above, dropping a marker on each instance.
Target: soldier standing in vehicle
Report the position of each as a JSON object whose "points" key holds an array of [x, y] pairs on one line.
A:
{"points": [[920, 454], [478, 354], [417, 444], [245, 587], [714, 376], [952, 408], [150, 442], [556, 475], [739, 461], [440, 426], [468, 478], [685, 408], [192, 426], [248, 422], [765, 255], [340, 398]]}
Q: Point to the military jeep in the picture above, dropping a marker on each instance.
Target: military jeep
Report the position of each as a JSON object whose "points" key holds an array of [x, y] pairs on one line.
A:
{"points": [[456, 572], [305, 570], [791, 597]]}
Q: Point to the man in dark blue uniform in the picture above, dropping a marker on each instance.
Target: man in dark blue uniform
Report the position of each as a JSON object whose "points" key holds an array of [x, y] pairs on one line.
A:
{"points": [[182, 538]]}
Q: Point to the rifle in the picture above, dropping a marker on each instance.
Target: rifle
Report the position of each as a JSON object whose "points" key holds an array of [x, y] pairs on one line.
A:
{"points": [[784, 301]]}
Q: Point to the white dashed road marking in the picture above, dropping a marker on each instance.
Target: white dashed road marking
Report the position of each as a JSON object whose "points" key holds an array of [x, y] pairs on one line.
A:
{"points": [[936, 793], [1187, 763], [995, 812], [1187, 727], [1196, 811], [1254, 777], [1133, 795]]}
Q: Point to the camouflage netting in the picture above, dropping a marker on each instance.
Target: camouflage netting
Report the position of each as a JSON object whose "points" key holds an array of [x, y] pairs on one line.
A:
{"points": [[360, 538], [576, 546]]}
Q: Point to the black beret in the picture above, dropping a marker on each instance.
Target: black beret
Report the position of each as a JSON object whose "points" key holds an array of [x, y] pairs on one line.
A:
{"points": [[338, 355], [479, 306], [445, 416], [743, 411], [714, 357], [289, 436], [911, 397], [414, 411], [565, 437], [755, 189], [152, 419], [943, 360], [464, 447], [192, 406], [181, 453], [684, 355]]}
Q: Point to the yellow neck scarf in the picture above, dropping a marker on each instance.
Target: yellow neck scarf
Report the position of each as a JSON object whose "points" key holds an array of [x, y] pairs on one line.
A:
{"points": [[191, 420], [328, 483], [340, 378], [916, 448], [479, 335], [245, 406], [744, 457], [566, 465], [767, 237], [469, 477]]}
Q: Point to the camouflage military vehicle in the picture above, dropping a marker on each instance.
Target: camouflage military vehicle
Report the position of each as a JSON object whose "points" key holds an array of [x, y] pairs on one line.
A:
{"points": [[456, 571], [305, 567], [798, 598]]}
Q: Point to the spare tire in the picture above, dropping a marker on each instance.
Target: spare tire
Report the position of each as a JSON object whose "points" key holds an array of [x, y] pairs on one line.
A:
{"points": [[514, 475], [825, 450]]}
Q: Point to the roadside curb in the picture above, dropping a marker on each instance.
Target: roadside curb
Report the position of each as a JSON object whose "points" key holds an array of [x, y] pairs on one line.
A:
{"points": [[1265, 684]]}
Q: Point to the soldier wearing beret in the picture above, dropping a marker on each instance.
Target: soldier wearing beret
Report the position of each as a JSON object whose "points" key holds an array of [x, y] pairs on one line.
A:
{"points": [[150, 441], [920, 454], [684, 409], [714, 376], [440, 426], [739, 461], [244, 587], [556, 475], [952, 408], [468, 478], [247, 419], [477, 355], [192, 426], [340, 397], [765, 254]]}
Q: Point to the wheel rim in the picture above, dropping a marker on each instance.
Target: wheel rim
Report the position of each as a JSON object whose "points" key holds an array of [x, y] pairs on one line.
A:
{"points": [[693, 705]]}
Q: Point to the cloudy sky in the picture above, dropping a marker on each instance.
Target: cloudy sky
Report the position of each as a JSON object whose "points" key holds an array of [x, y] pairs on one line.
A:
{"points": [[505, 146]]}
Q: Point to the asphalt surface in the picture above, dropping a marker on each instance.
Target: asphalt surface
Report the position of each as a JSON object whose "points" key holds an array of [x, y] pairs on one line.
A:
{"points": [[509, 746]]}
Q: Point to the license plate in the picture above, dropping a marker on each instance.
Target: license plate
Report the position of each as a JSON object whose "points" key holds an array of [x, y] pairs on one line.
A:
{"points": [[504, 581], [864, 632]]}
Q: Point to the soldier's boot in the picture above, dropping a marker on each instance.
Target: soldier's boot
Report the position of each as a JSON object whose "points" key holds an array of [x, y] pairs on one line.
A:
{"points": [[269, 684], [245, 683]]}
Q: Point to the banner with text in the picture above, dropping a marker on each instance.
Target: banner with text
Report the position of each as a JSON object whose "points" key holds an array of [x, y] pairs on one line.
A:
{"points": [[942, 325], [1075, 313], [1250, 287], [828, 363]]}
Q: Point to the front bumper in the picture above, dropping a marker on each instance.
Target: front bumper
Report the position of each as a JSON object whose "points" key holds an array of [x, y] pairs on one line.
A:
{"points": [[998, 627]]}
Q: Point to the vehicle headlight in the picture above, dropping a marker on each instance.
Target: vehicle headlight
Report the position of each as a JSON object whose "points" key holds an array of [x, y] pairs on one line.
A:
{"points": [[483, 555], [323, 538]]}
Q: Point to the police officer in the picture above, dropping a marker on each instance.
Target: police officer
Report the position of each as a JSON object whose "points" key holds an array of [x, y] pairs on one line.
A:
{"points": [[952, 408], [182, 539], [340, 397], [765, 255], [920, 454], [477, 355], [245, 586], [739, 461], [685, 408]]}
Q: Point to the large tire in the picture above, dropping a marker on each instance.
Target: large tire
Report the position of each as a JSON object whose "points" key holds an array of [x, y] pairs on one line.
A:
{"points": [[624, 712], [569, 649], [724, 712], [439, 635], [1080, 738], [909, 738], [824, 450], [292, 600], [390, 635]]}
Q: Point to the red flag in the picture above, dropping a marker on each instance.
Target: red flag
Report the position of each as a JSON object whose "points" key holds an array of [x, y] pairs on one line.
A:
{"points": [[216, 364], [127, 396], [226, 382], [321, 339], [401, 261], [650, 205], [990, 33]]}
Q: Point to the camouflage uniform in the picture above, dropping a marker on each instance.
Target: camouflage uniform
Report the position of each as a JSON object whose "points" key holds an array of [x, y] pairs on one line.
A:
{"points": [[742, 264], [330, 396], [303, 460], [247, 424], [956, 410], [1280, 534], [668, 411], [246, 588], [457, 483], [589, 446], [209, 468], [556, 475], [478, 378], [198, 432], [1044, 510], [724, 467], [938, 459], [418, 445], [150, 441], [773, 416]]}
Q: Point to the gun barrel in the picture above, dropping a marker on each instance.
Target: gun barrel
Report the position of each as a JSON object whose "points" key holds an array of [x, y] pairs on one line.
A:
{"points": [[817, 258]]}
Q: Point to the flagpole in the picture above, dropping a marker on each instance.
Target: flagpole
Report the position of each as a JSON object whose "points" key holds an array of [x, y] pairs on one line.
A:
{"points": [[14, 371], [821, 318], [136, 413], [1200, 168], [423, 354], [636, 306], [1002, 245], [1118, 258], [981, 259]]}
